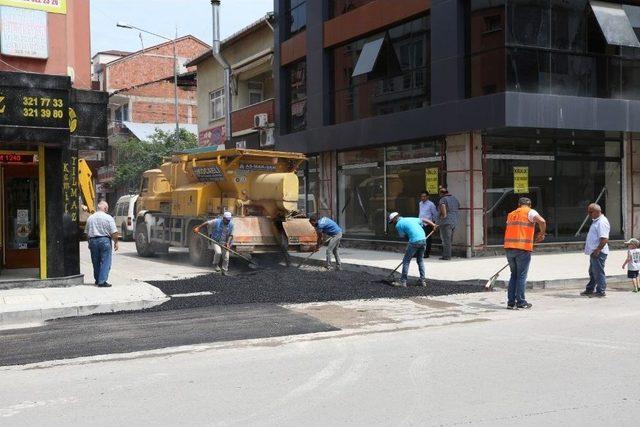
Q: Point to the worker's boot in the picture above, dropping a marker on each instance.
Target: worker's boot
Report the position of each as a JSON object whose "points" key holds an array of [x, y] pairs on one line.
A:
{"points": [[225, 273], [422, 282], [327, 266], [216, 269], [339, 267]]}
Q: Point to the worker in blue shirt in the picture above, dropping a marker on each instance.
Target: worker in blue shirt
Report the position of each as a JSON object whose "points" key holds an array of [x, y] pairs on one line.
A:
{"points": [[411, 228], [328, 227]]}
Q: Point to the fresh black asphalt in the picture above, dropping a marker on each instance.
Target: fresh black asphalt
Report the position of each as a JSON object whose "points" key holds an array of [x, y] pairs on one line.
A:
{"points": [[243, 306], [129, 332]]}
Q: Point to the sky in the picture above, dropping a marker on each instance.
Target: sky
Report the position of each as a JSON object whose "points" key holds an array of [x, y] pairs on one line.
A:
{"points": [[162, 17]]}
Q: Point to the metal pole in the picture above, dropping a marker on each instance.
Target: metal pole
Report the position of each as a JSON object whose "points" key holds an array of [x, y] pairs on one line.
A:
{"points": [[175, 86], [217, 54]]}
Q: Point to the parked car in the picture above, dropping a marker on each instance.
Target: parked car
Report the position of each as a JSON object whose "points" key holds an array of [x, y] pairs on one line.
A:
{"points": [[125, 215]]}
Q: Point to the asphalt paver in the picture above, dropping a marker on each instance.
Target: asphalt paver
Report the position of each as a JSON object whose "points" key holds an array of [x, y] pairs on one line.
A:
{"points": [[291, 285]]}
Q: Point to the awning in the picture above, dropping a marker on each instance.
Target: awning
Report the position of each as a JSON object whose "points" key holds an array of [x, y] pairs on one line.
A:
{"points": [[614, 23], [368, 57]]}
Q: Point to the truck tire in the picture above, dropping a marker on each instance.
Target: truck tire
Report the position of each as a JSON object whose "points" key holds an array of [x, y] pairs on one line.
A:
{"points": [[143, 246], [199, 253]]}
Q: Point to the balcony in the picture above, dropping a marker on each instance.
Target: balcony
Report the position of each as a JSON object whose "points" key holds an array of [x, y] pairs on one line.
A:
{"points": [[243, 117]]}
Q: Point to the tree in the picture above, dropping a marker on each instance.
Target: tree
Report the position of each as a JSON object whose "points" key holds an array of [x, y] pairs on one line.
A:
{"points": [[135, 156]]}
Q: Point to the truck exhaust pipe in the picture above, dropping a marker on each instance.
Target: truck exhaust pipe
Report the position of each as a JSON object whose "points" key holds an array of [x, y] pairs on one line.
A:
{"points": [[215, 6]]}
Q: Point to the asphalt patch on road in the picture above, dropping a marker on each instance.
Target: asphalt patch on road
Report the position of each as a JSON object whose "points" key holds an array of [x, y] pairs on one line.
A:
{"points": [[291, 285]]}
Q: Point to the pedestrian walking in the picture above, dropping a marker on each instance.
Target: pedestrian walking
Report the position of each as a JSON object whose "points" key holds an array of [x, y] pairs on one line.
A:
{"points": [[449, 210], [633, 262], [221, 232], [427, 211], [597, 247], [411, 229], [519, 236], [327, 227], [101, 231]]}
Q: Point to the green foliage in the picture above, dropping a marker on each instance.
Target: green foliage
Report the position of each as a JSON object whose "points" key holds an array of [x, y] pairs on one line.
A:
{"points": [[135, 156]]}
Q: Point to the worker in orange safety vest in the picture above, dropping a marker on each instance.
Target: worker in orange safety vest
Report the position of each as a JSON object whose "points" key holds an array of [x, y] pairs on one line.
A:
{"points": [[518, 243]]}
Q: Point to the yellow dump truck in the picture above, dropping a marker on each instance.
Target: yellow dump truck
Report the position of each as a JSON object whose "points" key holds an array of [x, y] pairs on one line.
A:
{"points": [[260, 189]]}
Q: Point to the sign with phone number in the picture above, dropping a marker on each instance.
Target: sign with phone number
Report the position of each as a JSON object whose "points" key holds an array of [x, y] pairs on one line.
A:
{"points": [[53, 6], [34, 108]]}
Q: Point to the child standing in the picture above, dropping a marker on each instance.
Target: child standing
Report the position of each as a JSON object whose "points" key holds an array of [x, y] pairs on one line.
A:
{"points": [[633, 262]]}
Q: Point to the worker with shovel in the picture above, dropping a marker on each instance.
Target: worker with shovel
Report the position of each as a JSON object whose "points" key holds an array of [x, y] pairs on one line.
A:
{"points": [[328, 227], [519, 236], [411, 228], [221, 232]]}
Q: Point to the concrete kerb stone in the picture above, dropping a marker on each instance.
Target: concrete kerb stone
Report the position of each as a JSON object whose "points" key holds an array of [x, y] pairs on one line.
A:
{"points": [[574, 283]]}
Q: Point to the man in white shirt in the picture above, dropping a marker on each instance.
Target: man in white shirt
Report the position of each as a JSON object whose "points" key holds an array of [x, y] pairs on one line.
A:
{"points": [[427, 210], [101, 231], [597, 247]]}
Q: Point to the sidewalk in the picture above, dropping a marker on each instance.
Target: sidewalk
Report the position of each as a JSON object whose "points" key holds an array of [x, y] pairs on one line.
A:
{"points": [[561, 270], [32, 306]]}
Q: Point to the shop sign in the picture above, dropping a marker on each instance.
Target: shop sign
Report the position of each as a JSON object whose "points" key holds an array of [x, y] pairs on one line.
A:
{"points": [[16, 158], [431, 180], [208, 173], [53, 6], [520, 179], [23, 33], [88, 120], [211, 137], [70, 195], [34, 107]]}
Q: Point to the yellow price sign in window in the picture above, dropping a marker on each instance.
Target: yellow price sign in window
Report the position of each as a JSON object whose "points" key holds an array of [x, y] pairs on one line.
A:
{"points": [[431, 180], [520, 179]]}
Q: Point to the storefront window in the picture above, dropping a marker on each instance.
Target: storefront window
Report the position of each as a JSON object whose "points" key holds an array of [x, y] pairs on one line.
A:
{"points": [[398, 78], [370, 186], [565, 174], [297, 77]]}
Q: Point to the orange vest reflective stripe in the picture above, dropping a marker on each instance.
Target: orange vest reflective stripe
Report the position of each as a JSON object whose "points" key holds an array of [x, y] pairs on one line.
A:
{"points": [[519, 232]]}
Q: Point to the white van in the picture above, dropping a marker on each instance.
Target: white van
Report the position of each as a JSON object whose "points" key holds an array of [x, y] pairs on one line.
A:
{"points": [[125, 215]]}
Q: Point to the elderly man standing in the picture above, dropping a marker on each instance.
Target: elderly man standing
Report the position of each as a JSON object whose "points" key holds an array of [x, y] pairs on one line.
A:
{"points": [[449, 209], [427, 210], [519, 236], [597, 247], [101, 230]]}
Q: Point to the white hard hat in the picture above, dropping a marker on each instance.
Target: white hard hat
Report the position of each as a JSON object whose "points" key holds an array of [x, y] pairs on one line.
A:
{"points": [[227, 215], [392, 215]]}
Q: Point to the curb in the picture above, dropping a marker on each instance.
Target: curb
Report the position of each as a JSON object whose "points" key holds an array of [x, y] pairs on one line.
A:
{"points": [[574, 283], [37, 317]]}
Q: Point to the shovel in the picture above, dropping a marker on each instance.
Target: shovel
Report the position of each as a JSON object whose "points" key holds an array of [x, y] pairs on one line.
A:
{"points": [[489, 285], [308, 257], [251, 262], [389, 279]]}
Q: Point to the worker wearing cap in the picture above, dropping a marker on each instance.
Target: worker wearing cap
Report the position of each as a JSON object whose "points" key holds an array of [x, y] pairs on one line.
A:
{"points": [[328, 227], [519, 236], [411, 228], [221, 232]]}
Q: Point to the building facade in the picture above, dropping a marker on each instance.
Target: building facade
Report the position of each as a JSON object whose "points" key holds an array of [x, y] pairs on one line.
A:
{"points": [[142, 94], [249, 52], [47, 115], [494, 99]]}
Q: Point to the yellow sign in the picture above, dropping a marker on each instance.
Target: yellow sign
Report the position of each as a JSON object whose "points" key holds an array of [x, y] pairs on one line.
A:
{"points": [[520, 179], [53, 6], [73, 120], [431, 180]]}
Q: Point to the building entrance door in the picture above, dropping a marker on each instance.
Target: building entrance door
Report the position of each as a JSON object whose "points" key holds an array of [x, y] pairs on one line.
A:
{"points": [[20, 234]]}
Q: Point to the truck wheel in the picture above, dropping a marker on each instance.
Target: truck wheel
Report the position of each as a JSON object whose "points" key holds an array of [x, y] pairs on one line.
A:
{"points": [[143, 246], [199, 253]]}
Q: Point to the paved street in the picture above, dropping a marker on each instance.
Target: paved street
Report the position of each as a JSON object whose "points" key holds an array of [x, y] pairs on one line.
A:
{"points": [[569, 361]]}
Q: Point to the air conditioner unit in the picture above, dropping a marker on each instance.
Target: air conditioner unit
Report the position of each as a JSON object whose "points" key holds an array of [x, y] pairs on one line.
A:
{"points": [[266, 138], [260, 120]]}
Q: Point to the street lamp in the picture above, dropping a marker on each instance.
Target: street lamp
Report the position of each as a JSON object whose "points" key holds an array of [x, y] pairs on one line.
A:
{"points": [[121, 24]]}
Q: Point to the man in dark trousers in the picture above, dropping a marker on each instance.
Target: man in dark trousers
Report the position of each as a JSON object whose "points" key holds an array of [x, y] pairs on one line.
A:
{"points": [[519, 236], [328, 227], [449, 210], [427, 211]]}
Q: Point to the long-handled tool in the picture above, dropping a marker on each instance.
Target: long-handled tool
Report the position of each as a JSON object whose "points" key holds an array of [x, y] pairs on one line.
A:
{"points": [[250, 261], [492, 280], [389, 279], [308, 257]]}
